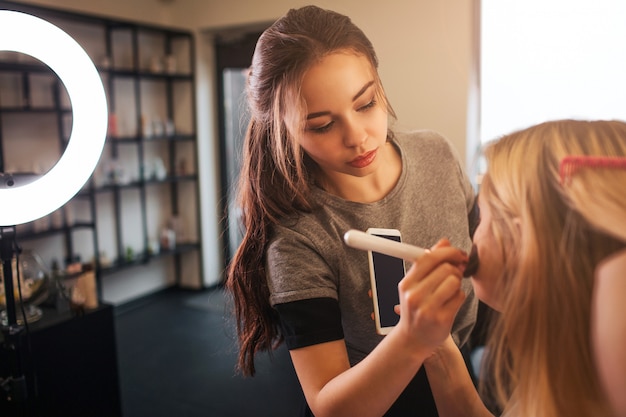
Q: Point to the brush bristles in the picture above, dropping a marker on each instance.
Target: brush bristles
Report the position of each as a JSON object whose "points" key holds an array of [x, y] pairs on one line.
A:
{"points": [[472, 263]]}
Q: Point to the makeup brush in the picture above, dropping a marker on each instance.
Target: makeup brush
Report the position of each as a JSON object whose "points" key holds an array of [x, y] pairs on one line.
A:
{"points": [[410, 253]]}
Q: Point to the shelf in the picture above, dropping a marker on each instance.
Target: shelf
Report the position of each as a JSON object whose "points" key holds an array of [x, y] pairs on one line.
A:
{"points": [[29, 234], [139, 183], [148, 75], [134, 140], [34, 110], [34, 67], [147, 257]]}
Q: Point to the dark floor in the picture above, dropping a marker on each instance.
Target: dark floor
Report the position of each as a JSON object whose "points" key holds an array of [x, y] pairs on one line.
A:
{"points": [[177, 356]]}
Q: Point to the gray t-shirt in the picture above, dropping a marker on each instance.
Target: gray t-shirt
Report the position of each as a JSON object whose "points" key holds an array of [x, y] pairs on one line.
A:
{"points": [[307, 257]]}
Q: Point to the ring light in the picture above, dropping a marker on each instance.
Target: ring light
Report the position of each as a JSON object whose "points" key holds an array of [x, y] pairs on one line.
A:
{"points": [[33, 36]]}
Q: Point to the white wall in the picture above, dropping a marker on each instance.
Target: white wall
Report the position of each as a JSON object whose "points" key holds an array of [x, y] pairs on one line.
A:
{"points": [[146, 11], [424, 48]]}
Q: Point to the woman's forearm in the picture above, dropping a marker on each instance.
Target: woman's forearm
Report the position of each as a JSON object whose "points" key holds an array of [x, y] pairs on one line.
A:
{"points": [[452, 385], [366, 389]]}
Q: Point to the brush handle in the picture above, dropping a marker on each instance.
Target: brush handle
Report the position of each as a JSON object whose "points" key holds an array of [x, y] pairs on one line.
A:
{"points": [[364, 241]]}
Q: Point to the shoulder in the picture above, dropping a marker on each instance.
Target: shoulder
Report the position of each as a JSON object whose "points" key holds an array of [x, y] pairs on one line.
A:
{"points": [[302, 236], [301, 261], [613, 268], [427, 142], [294, 231], [428, 150], [433, 159]]}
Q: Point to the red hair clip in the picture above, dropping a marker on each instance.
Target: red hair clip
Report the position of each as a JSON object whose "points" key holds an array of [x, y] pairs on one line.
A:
{"points": [[571, 164]]}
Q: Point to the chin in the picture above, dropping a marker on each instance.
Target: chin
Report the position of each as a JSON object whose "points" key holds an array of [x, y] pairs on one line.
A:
{"points": [[485, 295]]}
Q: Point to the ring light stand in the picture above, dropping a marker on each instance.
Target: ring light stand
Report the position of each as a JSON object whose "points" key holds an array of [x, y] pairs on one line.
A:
{"points": [[23, 33]]}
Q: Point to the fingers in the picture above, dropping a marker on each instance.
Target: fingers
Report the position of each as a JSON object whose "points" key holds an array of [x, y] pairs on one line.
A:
{"points": [[448, 293], [441, 254], [426, 317], [442, 243], [433, 281], [436, 265], [440, 289], [431, 291]]}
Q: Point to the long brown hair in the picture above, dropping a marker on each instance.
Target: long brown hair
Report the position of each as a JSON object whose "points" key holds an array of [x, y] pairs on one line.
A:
{"points": [[540, 350], [276, 175]]}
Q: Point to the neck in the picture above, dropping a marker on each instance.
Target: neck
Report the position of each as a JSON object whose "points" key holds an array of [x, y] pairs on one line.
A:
{"points": [[370, 188]]}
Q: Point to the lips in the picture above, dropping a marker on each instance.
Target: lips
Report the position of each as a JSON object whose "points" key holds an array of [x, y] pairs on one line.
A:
{"points": [[364, 160]]}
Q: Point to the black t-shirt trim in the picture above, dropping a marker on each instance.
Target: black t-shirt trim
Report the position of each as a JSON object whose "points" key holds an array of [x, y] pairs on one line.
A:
{"points": [[310, 322]]}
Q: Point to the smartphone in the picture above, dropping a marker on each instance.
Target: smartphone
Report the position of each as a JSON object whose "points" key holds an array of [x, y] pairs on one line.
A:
{"points": [[385, 274]]}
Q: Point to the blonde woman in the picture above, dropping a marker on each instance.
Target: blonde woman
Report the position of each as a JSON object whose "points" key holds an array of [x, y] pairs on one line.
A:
{"points": [[543, 235]]}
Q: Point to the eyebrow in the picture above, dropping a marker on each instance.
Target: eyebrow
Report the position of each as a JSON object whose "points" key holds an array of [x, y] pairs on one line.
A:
{"points": [[356, 96]]}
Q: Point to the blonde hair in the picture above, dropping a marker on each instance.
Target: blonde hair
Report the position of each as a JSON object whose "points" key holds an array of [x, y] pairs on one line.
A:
{"points": [[606, 210], [551, 239]]}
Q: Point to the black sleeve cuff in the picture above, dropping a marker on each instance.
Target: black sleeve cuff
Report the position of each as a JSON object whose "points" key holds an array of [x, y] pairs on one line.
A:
{"points": [[310, 322]]}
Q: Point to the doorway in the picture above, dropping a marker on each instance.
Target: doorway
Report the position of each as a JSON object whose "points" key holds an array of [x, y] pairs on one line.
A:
{"points": [[233, 52]]}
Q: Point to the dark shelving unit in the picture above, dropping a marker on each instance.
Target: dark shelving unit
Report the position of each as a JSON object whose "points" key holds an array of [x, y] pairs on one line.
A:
{"points": [[146, 69]]}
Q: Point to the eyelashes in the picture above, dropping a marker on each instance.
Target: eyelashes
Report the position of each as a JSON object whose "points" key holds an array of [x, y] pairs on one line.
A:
{"points": [[322, 129], [328, 126], [369, 105]]}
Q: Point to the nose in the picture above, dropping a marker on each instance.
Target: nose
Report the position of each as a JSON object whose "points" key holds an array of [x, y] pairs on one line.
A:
{"points": [[354, 134]]}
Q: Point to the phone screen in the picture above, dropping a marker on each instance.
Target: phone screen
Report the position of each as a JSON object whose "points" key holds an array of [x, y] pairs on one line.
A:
{"points": [[388, 271]]}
